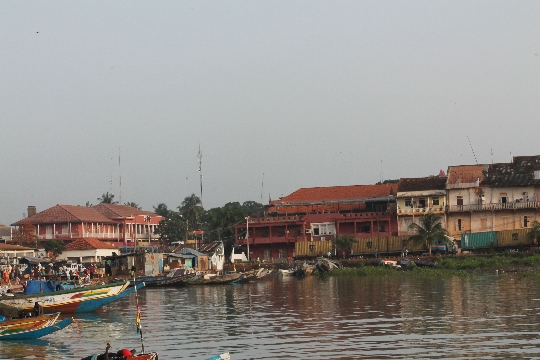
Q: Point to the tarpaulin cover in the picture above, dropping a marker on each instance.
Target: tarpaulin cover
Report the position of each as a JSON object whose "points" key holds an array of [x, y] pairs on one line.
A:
{"points": [[34, 287], [9, 311]]}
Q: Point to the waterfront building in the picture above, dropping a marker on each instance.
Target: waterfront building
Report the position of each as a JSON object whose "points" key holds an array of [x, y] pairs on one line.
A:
{"points": [[494, 197], [418, 196], [120, 225], [319, 214], [87, 250]]}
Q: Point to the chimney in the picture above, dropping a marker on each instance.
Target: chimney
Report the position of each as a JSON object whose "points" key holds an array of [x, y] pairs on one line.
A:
{"points": [[31, 210]]}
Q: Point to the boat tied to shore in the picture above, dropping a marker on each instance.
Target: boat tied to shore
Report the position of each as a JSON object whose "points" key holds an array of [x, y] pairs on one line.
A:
{"points": [[76, 300]]}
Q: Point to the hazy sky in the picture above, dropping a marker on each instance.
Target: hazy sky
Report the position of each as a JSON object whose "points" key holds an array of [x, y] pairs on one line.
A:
{"points": [[308, 93]]}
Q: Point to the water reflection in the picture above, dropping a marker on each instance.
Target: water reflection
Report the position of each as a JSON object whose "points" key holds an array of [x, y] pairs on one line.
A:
{"points": [[487, 316]]}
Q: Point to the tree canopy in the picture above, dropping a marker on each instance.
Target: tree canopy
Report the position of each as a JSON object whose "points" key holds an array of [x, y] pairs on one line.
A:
{"points": [[217, 223], [107, 199], [55, 247], [428, 231], [534, 233]]}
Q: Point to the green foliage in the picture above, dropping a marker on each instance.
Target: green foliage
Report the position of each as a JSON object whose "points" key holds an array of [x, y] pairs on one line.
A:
{"points": [[534, 234], [429, 230], [107, 199], [162, 210], [171, 228], [344, 242], [55, 246], [132, 204], [191, 211]]}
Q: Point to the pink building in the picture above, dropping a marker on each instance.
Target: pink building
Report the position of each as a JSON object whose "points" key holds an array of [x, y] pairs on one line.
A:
{"points": [[116, 224]]}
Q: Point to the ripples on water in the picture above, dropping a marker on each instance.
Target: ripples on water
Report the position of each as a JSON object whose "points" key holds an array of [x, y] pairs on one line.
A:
{"points": [[484, 317]]}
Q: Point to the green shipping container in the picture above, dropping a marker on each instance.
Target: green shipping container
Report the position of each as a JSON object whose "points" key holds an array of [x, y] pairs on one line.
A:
{"points": [[480, 240]]}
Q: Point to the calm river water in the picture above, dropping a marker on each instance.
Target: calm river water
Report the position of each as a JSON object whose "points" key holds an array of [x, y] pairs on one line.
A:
{"points": [[481, 317]]}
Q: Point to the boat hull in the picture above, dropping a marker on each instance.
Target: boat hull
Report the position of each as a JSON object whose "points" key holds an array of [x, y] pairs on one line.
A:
{"points": [[77, 300], [36, 333], [225, 279]]}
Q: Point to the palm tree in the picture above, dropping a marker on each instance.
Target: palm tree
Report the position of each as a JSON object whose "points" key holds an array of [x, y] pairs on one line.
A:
{"points": [[191, 210], [429, 230], [345, 242], [534, 234], [107, 199], [133, 204]]}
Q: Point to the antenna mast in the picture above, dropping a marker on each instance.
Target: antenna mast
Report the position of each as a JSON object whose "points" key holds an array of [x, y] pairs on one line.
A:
{"points": [[120, 175], [199, 155], [472, 150], [262, 188]]}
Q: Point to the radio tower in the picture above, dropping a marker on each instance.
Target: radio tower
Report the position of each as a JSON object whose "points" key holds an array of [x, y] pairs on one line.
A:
{"points": [[199, 155]]}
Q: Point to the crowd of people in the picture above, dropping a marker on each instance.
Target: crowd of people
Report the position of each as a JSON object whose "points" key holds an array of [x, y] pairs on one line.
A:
{"points": [[13, 274]]}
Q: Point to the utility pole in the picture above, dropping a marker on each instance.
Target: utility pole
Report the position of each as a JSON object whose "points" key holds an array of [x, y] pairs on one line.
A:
{"points": [[247, 236]]}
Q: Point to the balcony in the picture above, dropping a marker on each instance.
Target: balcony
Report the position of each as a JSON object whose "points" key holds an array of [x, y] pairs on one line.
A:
{"points": [[76, 235], [420, 210], [495, 206]]}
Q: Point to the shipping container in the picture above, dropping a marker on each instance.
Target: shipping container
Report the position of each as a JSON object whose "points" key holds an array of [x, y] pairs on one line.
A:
{"points": [[518, 237], [312, 248], [479, 240], [390, 244]]}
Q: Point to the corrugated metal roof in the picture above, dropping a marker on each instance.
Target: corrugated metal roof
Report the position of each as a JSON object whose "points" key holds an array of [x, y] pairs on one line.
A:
{"points": [[421, 184], [523, 171], [465, 174]]}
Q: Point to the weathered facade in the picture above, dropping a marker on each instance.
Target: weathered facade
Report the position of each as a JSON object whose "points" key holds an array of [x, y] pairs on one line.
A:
{"points": [[416, 197], [319, 215], [493, 197]]}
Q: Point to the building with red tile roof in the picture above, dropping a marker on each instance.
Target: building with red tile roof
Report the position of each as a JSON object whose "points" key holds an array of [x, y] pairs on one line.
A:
{"points": [[87, 250], [108, 222], [319, 214], [13, 251]]}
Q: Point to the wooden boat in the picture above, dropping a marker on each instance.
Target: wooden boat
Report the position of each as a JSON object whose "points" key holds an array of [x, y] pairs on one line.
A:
{"points": [[154, 356], [208, 279], [157, 281], [225, 356], [286, 272], [33, 327], [83, 299], [424, 263], [142, 356]]}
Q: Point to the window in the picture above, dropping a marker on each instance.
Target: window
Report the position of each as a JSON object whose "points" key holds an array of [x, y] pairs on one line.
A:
{"points": [[422, 202], [435, 201], [282, 253], [64, 229], [382, 227], [366, 228], [459, 200], [408, 202], [504, 222], [324, 229], [503, 198], [525, 221], [458, 225]]}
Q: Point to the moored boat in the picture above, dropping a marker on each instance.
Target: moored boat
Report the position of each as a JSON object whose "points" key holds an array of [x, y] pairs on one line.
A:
{"points": [[208, 279], [33, 327], [83, 299]]}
